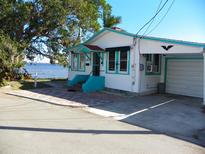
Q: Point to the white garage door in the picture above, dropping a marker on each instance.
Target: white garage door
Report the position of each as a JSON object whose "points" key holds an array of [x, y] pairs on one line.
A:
{"points": [[185, 77]]}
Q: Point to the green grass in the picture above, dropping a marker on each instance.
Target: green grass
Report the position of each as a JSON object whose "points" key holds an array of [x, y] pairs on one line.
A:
{"points": [[29, 84]]}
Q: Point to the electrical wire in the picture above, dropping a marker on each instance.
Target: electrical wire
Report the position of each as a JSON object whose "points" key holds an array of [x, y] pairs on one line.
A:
{"points": [[162, 18], [153, 19], [135, 38]]}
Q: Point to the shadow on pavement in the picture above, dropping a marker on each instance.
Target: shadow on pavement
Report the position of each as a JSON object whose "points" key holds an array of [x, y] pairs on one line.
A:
{"points": [[53, 130]]}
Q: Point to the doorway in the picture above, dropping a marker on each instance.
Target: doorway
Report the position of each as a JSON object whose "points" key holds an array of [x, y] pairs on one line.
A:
{"points": [[96, 64]]}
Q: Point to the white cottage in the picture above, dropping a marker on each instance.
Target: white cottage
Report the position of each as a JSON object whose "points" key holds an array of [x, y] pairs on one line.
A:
{"points": [[119, 60]]}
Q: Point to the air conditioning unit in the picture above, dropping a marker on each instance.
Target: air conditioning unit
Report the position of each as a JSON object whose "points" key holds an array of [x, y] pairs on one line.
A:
{"points": [[150, 68]]}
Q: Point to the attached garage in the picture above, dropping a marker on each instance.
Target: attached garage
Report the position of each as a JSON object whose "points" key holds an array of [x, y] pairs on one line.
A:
{"points": [[185, 77]]}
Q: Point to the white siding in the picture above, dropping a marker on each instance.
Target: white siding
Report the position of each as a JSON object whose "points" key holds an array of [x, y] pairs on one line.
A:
{"points": [[148, 83], [111, 39], [185, 77]]}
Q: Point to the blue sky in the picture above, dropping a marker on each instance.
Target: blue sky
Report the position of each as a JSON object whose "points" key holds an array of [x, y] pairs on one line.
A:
{"points": [[185, 20]]}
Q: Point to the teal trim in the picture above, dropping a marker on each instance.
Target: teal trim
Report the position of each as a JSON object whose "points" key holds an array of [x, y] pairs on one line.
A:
{"points": [[152, 73], [165, 71], [93, 84], [177, 58], [117, 62], [172, 41], [78, 79], [128, 67]]}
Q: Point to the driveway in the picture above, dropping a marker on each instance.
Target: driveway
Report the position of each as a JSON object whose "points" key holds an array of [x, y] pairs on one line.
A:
{"points": [[177, 116], [35, 126]]}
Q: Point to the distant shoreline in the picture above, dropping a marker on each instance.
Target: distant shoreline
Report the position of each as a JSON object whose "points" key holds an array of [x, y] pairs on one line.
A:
{"points": [[46, 70]]}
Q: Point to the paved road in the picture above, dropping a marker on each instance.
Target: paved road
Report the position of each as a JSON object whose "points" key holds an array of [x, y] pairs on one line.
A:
{"points": [[29, 126]]}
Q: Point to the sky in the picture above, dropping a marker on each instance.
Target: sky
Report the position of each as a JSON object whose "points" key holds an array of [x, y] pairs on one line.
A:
{"points": [[185, 20]]}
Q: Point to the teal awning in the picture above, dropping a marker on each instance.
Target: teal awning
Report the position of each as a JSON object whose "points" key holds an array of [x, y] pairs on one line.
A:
{"points": [[85, 48]]}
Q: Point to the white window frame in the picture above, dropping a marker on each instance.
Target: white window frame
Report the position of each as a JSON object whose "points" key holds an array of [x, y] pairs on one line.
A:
{"points": [[108, 61], [119, 54]]}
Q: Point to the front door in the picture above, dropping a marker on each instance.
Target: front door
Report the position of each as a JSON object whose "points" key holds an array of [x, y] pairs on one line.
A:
{"points": [[96, 64]]}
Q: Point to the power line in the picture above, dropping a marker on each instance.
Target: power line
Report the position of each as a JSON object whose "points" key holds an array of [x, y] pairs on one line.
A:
{"points": [[162, 18], [152, 17]]}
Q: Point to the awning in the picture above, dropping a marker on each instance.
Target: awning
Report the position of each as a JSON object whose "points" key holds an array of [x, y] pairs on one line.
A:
{"points": [[85, 48]]}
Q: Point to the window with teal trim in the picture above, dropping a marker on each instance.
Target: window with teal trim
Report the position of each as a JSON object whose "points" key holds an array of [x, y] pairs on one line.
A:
{"points": [[78, 61], [153, 64], [118, 62]]}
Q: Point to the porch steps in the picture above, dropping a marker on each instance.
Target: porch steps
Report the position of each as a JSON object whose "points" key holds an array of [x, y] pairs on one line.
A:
{"points": [[77, 79], [93, 84], [86, 83]]}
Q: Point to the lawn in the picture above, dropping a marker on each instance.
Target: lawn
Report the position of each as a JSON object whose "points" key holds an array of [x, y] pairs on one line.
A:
{"points": [[29, 84]]}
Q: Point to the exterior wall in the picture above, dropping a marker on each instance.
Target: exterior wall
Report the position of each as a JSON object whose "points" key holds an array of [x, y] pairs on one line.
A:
{"points": [[121, 81], [111, 39], [148, 83]]}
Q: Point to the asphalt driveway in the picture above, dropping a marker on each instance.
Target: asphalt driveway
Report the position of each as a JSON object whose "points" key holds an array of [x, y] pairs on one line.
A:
{"points": [[177, 116], [34, 126]]}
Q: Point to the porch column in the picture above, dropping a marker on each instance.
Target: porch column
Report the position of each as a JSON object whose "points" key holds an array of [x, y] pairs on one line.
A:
{"points": [[204, 77]]}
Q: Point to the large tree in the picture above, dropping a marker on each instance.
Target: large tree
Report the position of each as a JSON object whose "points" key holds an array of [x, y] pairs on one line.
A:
{"points": [[46, 27]]}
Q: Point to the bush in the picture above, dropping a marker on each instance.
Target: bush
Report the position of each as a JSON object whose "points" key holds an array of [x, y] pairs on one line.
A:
{"points": [[3, 82]]}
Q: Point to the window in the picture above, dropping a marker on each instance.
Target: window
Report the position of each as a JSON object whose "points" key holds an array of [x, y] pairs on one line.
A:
{"points": [[74, 61], [111, 61], [153, 64], [81, 61], [117, 60], [123, 61], [78, 61]]}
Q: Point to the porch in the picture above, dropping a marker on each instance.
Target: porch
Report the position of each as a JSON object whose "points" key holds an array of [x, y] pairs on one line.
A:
{"points": [[86, 61]]}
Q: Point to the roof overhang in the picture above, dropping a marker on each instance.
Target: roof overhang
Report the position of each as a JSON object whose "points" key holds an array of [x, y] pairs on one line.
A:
{"points": [[85, 48]]}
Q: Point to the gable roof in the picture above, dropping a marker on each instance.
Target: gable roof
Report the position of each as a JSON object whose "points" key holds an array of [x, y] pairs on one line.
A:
{"points": [[165, 40]]}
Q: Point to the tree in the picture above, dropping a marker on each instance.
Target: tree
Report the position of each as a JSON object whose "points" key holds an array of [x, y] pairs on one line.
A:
{"points": [[10, 57], [109, 20], [47, 27]]}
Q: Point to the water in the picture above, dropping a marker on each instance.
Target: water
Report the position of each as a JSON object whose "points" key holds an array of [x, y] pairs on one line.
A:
{"points": [[46, 70]]}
